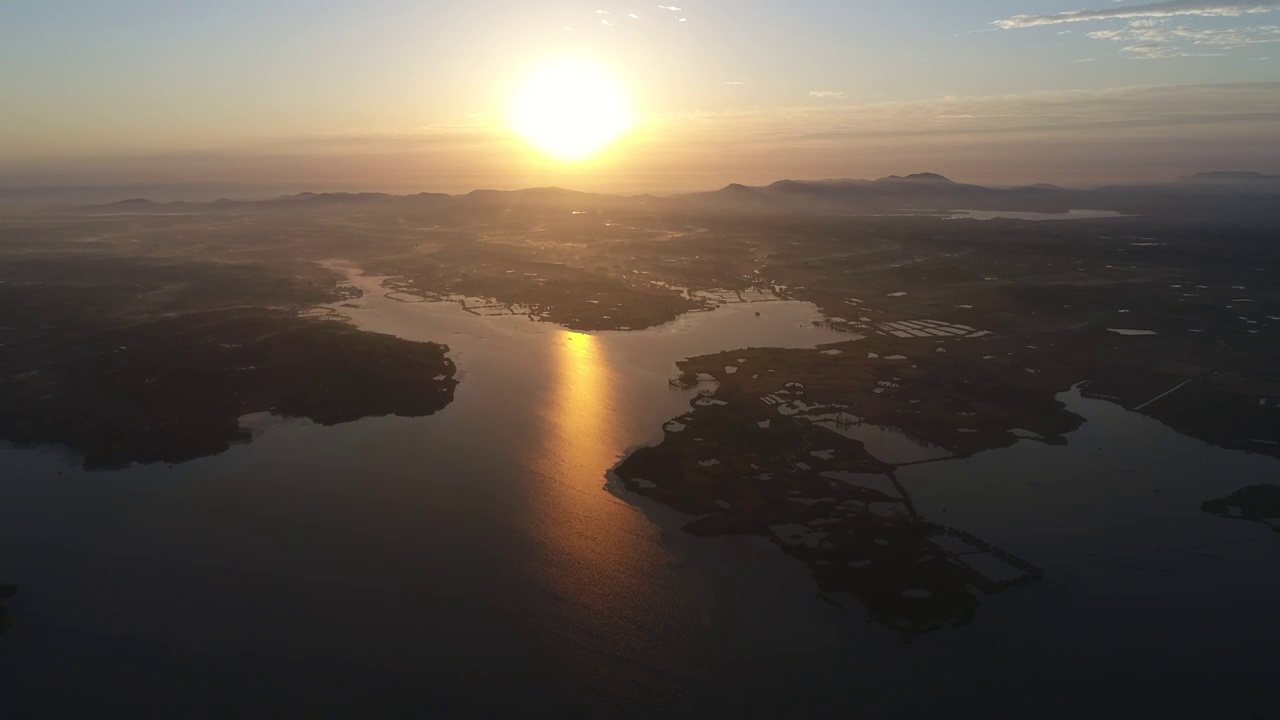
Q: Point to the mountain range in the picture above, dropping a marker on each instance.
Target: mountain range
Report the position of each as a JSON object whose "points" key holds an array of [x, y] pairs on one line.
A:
{"points": [[1210, 193]]}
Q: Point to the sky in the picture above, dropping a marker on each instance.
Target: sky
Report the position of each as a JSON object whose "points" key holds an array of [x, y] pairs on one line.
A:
{"points": [[413, 95]]}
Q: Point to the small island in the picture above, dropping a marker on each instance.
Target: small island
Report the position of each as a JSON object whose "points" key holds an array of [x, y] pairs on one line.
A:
{"points": [[1257, 503]]}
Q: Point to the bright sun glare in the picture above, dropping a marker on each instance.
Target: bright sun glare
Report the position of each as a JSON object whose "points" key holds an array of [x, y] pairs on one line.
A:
{"points": [[571, 110]]}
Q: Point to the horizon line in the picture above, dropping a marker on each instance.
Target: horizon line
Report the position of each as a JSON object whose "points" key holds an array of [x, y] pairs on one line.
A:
{"points": [[212, 198]]}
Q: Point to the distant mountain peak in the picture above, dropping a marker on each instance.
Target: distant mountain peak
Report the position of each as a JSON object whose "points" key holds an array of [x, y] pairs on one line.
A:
{"points": [[794, 184], [918, 177]]}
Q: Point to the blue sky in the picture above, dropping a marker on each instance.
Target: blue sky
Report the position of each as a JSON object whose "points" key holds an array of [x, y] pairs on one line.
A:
{"points": [[140, 88]]}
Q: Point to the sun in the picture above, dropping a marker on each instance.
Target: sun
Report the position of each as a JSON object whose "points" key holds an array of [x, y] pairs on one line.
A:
{"points": [[571, 110]]}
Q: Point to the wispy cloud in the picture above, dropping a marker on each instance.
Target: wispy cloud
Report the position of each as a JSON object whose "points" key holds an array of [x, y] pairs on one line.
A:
{"points": [[1170, 8], [1107, 113], [827, 94], [1156, 39], [621, 16]]}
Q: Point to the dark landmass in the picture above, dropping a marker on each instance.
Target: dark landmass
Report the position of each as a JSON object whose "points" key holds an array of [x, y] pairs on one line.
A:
{"points": [[1219, 194], [143, 332], [773, 450], [1259, 503], [556, 292], [145, 360], [1044, 297], [174, 390], [1253, 200], [1232, 176], [943, 400]]}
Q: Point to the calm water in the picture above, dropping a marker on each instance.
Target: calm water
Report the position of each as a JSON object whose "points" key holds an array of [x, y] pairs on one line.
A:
{"points": [[481, 560], [1014, 215]]}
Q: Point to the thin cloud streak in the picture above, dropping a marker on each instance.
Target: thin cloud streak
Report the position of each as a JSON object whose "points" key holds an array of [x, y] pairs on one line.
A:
{"points": [[1171, 8], [1153, 39]]}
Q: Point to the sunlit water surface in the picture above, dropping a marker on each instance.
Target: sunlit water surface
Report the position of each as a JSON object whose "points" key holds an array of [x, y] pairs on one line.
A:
{"points": [[480, 560], [1020, 215]]}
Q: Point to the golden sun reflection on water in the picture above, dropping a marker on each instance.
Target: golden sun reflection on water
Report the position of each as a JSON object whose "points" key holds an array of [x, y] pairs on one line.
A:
{"points": [[594, 536], [582, 399]]}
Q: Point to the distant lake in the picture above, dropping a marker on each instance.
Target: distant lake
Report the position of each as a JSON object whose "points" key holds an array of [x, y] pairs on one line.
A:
{"points": [[1009, 215], [482, 560]]}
